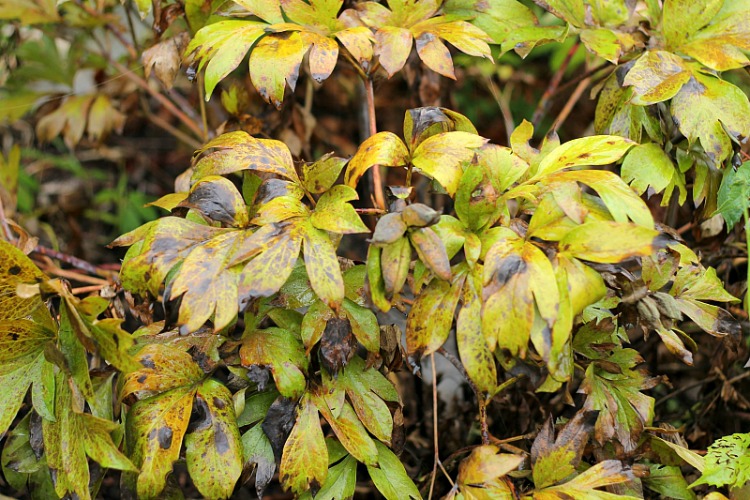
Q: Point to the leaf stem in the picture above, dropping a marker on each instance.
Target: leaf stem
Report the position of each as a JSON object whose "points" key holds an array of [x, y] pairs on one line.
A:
{"points": [[481, 399], [747, 244], [434, 425], [201, 97], [377, 182]]}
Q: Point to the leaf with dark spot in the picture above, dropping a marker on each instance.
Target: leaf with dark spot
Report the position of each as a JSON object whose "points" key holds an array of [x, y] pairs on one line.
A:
{"points": [[337, 345], [278, 423], [304, 461], [280, 350], [212, 446]]}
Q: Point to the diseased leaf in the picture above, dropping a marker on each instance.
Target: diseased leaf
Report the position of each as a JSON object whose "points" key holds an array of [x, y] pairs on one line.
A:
{"points": [[218, 199], [237, 151], [350, 431], [274, 63], [304, 463], [656, 76], [73, 437], [395, 259], [282, 352], [257, 450], [472, 348], [323, 266], [212, 445], [682, 18], [431, 317], [364, 325], [431, 251], [440, 156], [318, 177], [223, 46], [711, 110], [333, 212]]}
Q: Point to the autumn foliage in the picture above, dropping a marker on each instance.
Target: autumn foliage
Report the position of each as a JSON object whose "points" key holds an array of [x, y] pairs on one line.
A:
{"points": [[266, 330]]}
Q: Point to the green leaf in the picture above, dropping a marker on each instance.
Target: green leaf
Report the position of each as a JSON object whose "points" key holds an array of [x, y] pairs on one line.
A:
{"points": [[368, 390], [333, 212], [712, 111], [682, 18], [16, 377], [381, 149], [257, 450], [441, 156], [364, 325], [323, 266], [647, 165], [304, 462], [375, 279], [734, 194], [727, 462], [594, 150], [282, 352], [656, 76], [212, 447], [71, 438], [340, 483], [668, 481], [623, 241], [390, 476]]}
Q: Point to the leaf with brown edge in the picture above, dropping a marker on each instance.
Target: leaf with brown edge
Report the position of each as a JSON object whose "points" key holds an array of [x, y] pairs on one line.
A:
{"points": [[381, 149], [283, 352], [207, 284], [218, 199], [268, 271], [304, 462], [431, 317], [349, 431], [333, 212], [431, 251], [213, 449], [554, 459], [73, 438], [323, 266], [318, 177], [623, 241], [440, 156], [237, 151], [481, 474], [477, 359], [164, 58], [274, 63], [220, 47]]}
